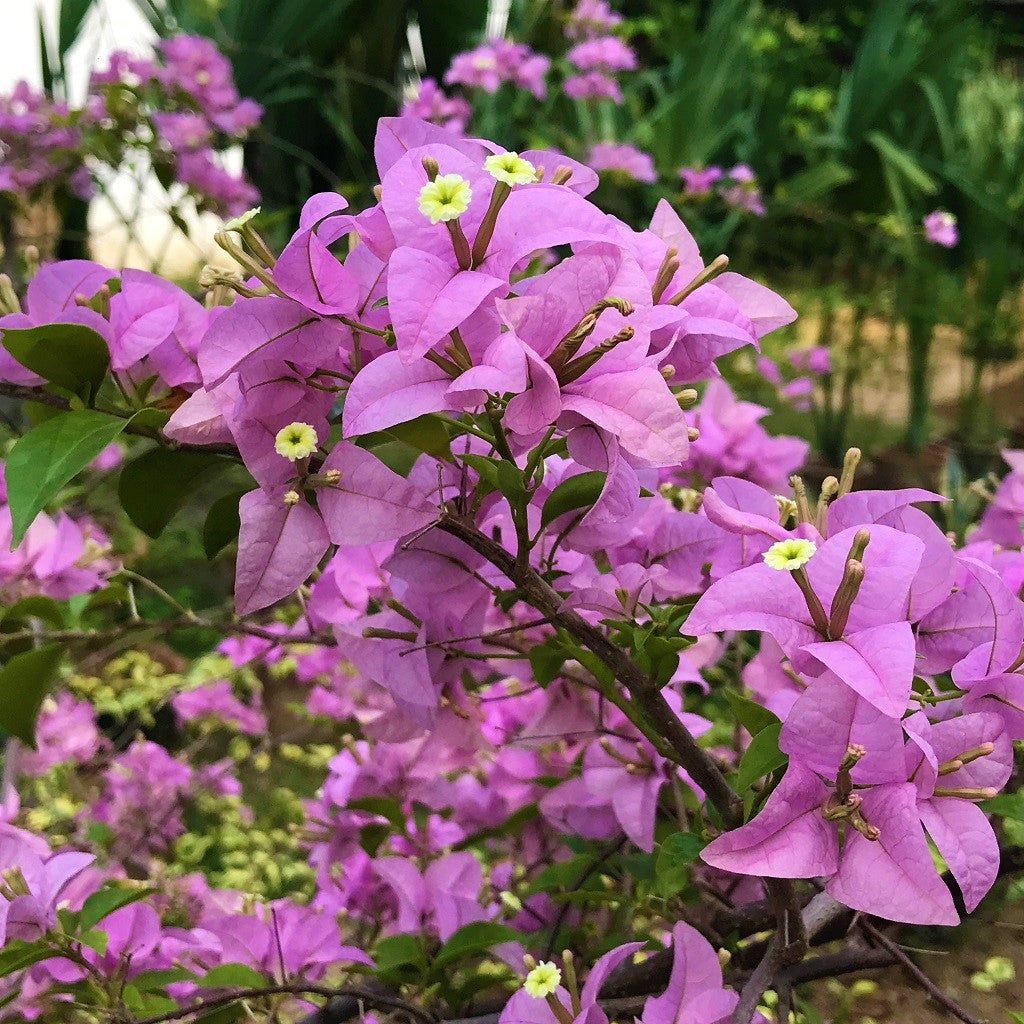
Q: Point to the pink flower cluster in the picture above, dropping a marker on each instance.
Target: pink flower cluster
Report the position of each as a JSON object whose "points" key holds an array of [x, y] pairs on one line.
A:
{"points": [[867, 612], [188, 100], [598, 55], [59, 556], [500, 60], [184, 112], [39, 144], [430, 102], [737, 186]]}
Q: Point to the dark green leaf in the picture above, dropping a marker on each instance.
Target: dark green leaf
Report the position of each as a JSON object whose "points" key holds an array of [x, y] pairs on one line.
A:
{"points": [[386, 806], [232, 976], [17, 955], [71, 356], [222, 1015], [760, 758], [397, 951], [95, 939], [1006, 805], [546, 661], [157, 484], [474, 938], [579, 491], [24, 682], [35, 606], [69, 23], [751, 715], [426, 434], [674, 855], [105, 901], [222, 524], [48, 456], [149, 981]]}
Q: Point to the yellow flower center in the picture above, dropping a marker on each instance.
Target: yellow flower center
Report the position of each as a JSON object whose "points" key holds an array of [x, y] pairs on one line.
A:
{"points": [[296, 441], [543, 980], [510, 168], [445, 198], [788, 555]]}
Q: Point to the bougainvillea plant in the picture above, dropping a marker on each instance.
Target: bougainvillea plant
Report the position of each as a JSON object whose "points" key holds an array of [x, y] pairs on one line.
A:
{"points": [[607, 679]]}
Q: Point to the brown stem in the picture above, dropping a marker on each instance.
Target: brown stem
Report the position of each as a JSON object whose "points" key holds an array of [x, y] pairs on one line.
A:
{"points": [[645, 694]]}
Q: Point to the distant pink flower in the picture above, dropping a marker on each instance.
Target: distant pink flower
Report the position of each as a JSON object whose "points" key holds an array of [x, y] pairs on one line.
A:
{"points": [[591, 18], [430, 102], [940, 227], [592, 85], [624, 158], [606, 53], [697, 181]]}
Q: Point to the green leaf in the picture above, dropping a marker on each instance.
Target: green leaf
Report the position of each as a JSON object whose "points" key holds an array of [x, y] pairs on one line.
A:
{"points": [[761, 757], [69, 23], [24, 682], [48, 456], [903, 161], [222, 524], [1006, 805], [157, 484], [426, 434], [486, 467], [35, 606], [105, 901], [397, 951], [232, 976], [386, 806], [817, 181], [578, 491], [675, 854], [222, 1015], [95, 939], [17, 955], [150, 981], [71, 356], [546, 661], [474, 938], [751, 715]]}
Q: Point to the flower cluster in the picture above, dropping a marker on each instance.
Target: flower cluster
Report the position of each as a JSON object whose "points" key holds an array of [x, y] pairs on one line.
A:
{"points": [[940, 228], [497, 61], [179, 111], [737, 187], [870, 613], [623, 159], [40, 144], [485, 502], [427, 100]]}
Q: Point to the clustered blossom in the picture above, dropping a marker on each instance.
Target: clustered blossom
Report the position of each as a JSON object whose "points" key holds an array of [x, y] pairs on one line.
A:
{"points": [[40, 142], [598, 55], [427, 100], [590, 19], [873, 613], [510, 385], [59, 556], [497, 61], [940, 228], [182, 109], [737, 186]]}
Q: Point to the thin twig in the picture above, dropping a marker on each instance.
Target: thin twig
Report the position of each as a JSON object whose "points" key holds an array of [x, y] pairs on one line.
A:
{"points": [[946, 1001], [365, 995]]}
